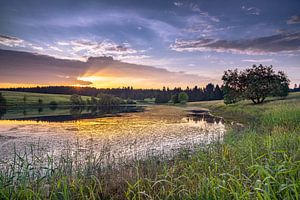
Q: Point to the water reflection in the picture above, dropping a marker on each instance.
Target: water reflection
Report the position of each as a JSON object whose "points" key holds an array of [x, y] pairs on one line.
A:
{"points": [[2, 112], [200, 116], [63, 114], [158, 131]]}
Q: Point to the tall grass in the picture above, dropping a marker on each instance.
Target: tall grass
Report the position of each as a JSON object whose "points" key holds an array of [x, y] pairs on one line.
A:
{"points": [[261, 162]]}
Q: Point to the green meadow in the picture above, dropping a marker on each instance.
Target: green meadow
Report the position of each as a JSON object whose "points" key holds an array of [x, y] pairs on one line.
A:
{"points": [[32, 99], [259, 160]]}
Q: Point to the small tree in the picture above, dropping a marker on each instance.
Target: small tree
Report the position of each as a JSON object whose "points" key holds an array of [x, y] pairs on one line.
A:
{"points": [[254, 83], [174, 98], [183, 97]]}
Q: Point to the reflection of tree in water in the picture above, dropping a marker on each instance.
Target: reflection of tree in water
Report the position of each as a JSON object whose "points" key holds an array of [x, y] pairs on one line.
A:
{"points": [[198, 117], [76, 111], [40, 109], [93, 110], [70, 113], [53, 107], [2, 112]]}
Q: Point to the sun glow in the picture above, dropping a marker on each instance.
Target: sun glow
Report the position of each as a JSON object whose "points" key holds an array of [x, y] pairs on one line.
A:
{"points": [[91, 78], [116, 82]]}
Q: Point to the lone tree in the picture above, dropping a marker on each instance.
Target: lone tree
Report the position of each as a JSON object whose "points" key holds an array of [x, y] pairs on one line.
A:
{"points": [[254, 83]]}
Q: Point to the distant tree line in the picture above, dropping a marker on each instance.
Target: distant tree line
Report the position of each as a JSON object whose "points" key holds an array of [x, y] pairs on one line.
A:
{"points": [[296, 88], [210, 92]]}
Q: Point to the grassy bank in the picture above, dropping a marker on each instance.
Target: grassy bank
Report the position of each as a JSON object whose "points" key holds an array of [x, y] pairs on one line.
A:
{"points": [[261, 161], [32, 99]]}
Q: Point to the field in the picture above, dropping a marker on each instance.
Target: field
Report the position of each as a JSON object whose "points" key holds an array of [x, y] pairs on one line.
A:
{"points": [[32, 99], [259, 161]]}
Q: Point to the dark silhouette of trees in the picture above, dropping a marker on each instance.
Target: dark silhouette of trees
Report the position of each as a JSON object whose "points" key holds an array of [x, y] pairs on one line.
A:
{"points": [[218, 94], [210, 92], [162, 97], [254, 83]]}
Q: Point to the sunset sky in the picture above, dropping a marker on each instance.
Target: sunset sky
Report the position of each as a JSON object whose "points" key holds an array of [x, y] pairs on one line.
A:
{"points": [[144, 44]]}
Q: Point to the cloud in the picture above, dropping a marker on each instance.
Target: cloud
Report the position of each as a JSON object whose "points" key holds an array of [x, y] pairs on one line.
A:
{"points": [[76, 49], [105, 47], [88, 48], [118, 18], [258, 60], [195, 8], [14, 42], [178, 4], [285, 42], [251, 10], [55, 48], [294, 20], [28, 68], [11, 41]]}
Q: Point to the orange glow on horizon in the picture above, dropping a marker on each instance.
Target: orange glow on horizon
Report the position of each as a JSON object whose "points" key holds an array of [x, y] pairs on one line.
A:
{"points": [[107, 82]]}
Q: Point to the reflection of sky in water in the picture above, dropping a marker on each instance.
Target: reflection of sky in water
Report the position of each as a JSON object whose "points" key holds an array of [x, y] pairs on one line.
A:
{"points": [[160, 130]]}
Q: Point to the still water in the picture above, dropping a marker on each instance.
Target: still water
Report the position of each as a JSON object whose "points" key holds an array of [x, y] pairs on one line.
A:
{"points": [[121, 133]]}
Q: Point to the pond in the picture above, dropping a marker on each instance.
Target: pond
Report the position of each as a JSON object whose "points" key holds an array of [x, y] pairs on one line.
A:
{"points": [[118, 134]]}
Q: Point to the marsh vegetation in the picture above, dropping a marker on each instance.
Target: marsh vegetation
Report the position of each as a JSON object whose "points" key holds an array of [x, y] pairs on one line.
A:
{"points": [[260, 161]]}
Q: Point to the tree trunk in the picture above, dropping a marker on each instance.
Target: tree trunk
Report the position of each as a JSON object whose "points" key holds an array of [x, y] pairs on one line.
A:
{"points": [[253, 100]]}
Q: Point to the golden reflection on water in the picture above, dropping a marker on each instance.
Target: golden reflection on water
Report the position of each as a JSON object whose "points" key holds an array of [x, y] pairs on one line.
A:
{"points": [[159, 129]]}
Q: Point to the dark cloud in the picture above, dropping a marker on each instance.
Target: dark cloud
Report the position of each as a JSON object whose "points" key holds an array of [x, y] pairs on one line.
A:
{"points": [[294, 20], [10, 41], [284, 42], [28, 68]]}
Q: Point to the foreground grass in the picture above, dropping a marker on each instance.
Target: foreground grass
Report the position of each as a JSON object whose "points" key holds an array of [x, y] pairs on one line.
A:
{"points": [[32, 99], [261, 161]]}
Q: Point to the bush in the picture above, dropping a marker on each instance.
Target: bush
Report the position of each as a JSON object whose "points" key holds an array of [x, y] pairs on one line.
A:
{"points": [[183, 97]]}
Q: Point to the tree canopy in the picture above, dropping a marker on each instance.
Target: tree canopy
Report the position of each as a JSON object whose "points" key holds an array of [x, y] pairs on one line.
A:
{"points": [[183, 97], [254, 83]]}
